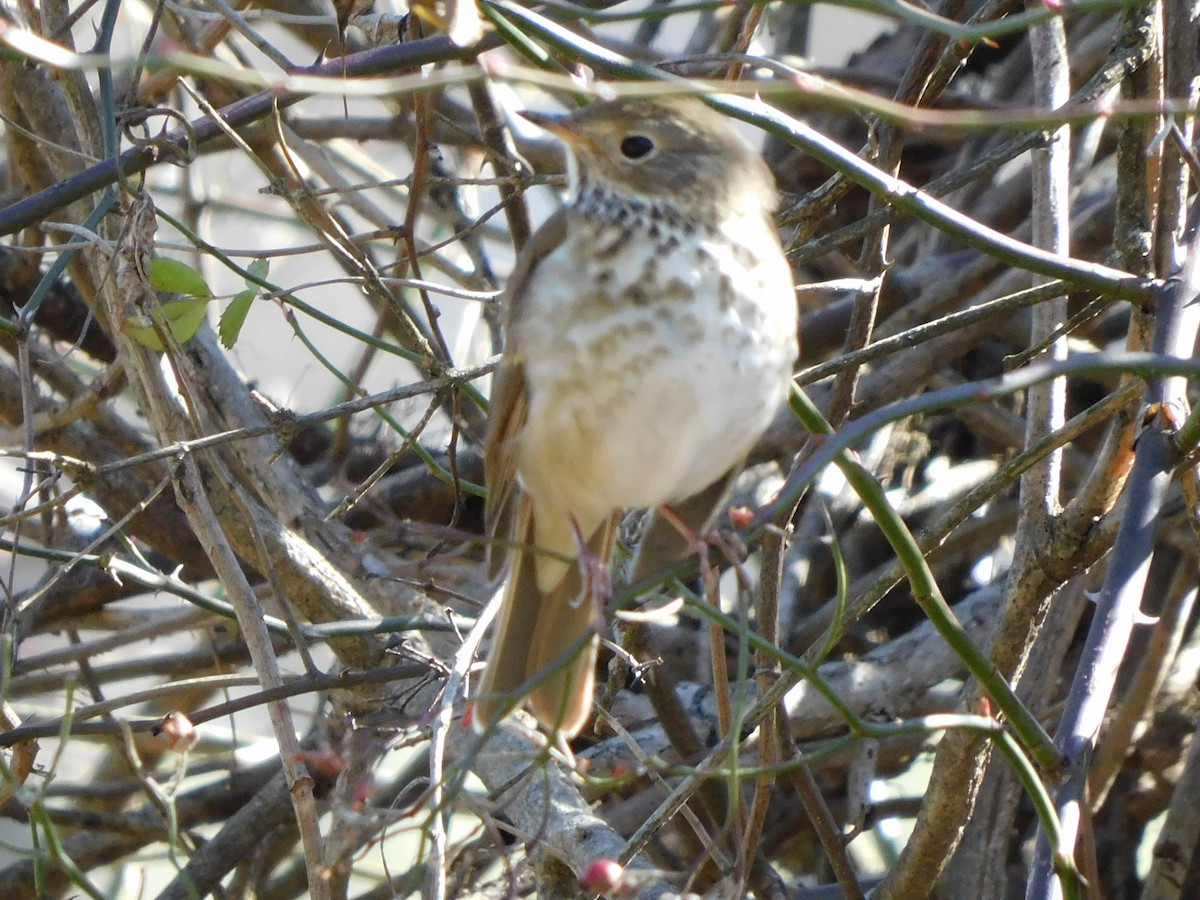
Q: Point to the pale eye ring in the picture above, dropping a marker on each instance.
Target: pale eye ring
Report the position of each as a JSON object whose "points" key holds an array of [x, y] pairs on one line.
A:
{"points": [[636, 146]]}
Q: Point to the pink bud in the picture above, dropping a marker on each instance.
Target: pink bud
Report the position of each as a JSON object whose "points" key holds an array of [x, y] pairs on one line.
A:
{"points": [[602, 876]]}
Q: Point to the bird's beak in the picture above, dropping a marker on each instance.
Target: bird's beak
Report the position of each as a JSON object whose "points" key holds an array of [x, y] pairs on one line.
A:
{"points": [[561, 125]]}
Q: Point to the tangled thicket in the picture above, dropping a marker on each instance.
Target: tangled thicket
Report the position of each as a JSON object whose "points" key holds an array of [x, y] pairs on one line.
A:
{"points": [[250, 479]]}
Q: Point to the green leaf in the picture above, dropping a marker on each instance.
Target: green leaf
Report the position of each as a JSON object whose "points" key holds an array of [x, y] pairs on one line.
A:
{"points": [[258, 268], [234, 317], [230, 325], [182, 317], [172, 276], [185, 317]]}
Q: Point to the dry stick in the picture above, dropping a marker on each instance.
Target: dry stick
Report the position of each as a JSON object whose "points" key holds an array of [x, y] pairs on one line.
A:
{"points": [[334, 233], [1174, 330], [295, 630], [1051, 231], [1153, 670], [749, 25], [651, 765], [872, 260], [110, 531], [1176, 844], [716, 648], [456, 677], [8, 622], [253, 822], [384, 468], [918, 334], [328, 226], [674, 803], [761, 874], [804, 783], [300, 784], [713, 802], [282, 424], [192, 494], [151, 624], [289, 143], [416, 196], [495, 139], [1039, 501], [384, 60], [767, 671], [293, 687], [1119, 599], [890, 574], [143, 826], [239, 24]]}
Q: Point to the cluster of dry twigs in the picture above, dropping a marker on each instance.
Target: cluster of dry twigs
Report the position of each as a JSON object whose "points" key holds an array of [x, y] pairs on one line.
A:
{"points": [[987, 210]]}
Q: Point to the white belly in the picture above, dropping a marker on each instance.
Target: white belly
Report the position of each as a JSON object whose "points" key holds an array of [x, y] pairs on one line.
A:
{"points": [[649, 390]]}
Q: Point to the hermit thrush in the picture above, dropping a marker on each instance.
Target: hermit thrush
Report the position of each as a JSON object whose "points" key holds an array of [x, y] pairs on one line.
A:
{"points": [[651, 335]]}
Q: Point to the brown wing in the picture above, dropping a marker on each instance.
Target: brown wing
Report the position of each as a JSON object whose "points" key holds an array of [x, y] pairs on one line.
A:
{"points": [[510, 402]]}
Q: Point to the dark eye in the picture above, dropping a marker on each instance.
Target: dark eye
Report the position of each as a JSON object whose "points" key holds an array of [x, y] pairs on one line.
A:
{"points": [[636, 146]]}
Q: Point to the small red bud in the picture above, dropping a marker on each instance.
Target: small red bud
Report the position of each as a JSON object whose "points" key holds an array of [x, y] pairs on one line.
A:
{"points": [[602, 876], [178, 731], [327, 761], [741, 516]]}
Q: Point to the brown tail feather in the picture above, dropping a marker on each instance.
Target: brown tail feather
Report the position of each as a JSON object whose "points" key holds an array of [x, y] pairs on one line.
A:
{"points": [[538, 633]]}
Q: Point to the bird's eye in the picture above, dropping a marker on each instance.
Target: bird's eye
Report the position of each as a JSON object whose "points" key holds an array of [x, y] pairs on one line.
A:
{"points": [[636, 146]]}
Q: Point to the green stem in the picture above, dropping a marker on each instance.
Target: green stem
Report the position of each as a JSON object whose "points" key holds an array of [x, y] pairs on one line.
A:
{"points": [[927, 593]]}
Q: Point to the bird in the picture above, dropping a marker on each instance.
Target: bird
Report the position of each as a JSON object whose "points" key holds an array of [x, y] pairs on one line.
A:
{"points": [[651, 331]]}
